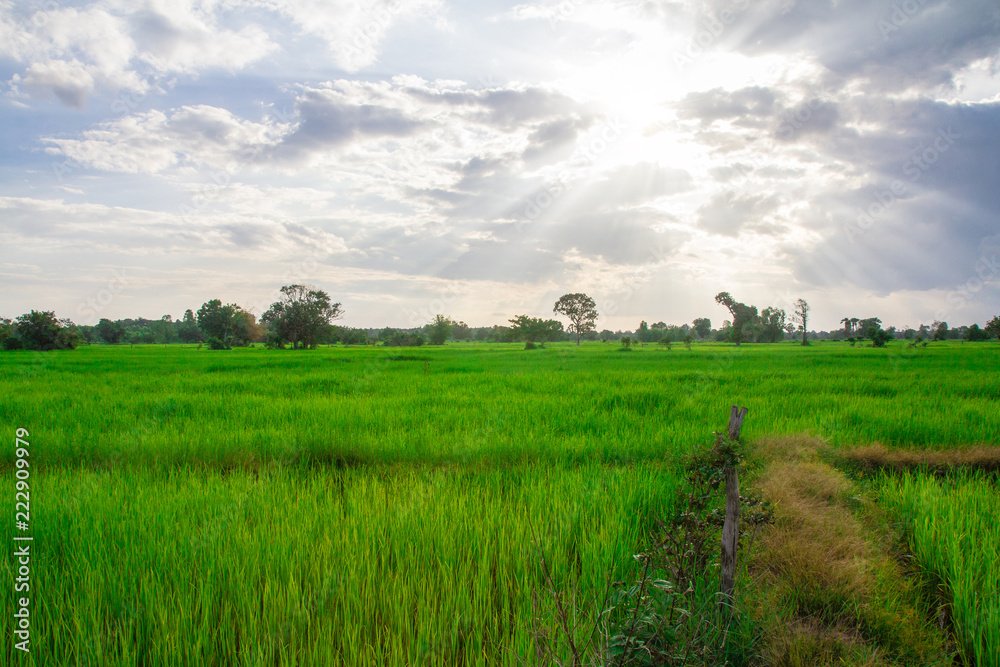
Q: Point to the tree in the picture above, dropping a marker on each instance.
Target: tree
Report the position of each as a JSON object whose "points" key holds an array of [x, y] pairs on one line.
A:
{"points": [[535, 329], [300, 316], [772, 328], [246, 330], [643, 333], [702, 326], [742, 314], [226, 326], [940, 330], [110, 332], [993, 327], [462, 331], [440, 329], [974, 334], [165, 330], [848, 327], [581, 311], [41, 330], [187, 328], [8, 339], [802, 318]]}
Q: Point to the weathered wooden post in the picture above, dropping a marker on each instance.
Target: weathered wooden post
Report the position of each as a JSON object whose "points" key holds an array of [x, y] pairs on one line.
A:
{"points": [[731, 526]]}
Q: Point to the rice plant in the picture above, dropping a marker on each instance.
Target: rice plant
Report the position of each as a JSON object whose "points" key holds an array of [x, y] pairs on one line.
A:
{"points": [[954, 531]]}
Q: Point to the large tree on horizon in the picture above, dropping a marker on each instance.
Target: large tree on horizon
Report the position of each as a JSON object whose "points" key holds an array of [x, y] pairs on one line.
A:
{"points": [[742, 314], [300, 316], [802, 317], [581, 311]]}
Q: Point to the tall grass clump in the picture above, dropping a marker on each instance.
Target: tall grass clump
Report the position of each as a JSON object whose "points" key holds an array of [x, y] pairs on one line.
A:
{"points": [[954, 531]]}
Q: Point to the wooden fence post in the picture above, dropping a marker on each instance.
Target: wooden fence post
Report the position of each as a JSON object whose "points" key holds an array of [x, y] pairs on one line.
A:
{"points": [[731, 526]]}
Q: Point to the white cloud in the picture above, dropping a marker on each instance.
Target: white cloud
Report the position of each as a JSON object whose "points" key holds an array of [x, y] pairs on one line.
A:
{"points": [[353, 32], [113, 46]]}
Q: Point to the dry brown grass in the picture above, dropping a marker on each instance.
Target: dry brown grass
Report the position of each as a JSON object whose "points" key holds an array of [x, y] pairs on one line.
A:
{"points": [[832, 595], [876, 457]]}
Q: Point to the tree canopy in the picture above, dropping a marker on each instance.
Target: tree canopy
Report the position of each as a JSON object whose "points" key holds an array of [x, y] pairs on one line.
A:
{"points": [[535, 329], [299, 316], [581, 311], [227, 326]]}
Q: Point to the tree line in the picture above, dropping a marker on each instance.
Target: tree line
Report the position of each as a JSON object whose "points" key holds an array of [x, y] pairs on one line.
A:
{"points": [[303, 317]]}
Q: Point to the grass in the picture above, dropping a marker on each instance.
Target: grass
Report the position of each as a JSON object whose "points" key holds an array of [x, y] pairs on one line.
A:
{"points": [[360, 566], [173, 406], [364, 506], [953, 528]]}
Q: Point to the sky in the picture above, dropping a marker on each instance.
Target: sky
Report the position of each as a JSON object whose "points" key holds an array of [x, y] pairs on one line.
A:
{"points": [[480, 159]]}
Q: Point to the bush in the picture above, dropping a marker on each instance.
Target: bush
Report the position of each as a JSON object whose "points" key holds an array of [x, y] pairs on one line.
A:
{"points": [[879, 336], [11, 343], [529, 345], [216, 344], [273, 342]]}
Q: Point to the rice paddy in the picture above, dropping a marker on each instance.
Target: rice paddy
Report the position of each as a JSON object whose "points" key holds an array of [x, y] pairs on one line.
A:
{"points": [[954, 529], [362, 506]]}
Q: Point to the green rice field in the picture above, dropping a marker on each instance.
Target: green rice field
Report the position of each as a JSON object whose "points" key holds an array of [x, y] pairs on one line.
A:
{"points": [[371, 506]]}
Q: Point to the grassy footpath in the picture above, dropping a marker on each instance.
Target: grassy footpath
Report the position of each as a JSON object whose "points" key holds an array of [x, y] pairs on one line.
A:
{"points": [[831, 591]]}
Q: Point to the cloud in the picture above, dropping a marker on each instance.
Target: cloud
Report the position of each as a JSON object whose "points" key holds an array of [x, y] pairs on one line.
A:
{"points": [[155, 142], [718, 104], [728, 212], [52, 227], [353, 32], [72, 53], [886, 45], [328, 118]]}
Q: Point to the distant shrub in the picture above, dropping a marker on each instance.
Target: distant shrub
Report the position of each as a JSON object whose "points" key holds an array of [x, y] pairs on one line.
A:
{"points": [[217, 344], [626, 343], [273, 342]]}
